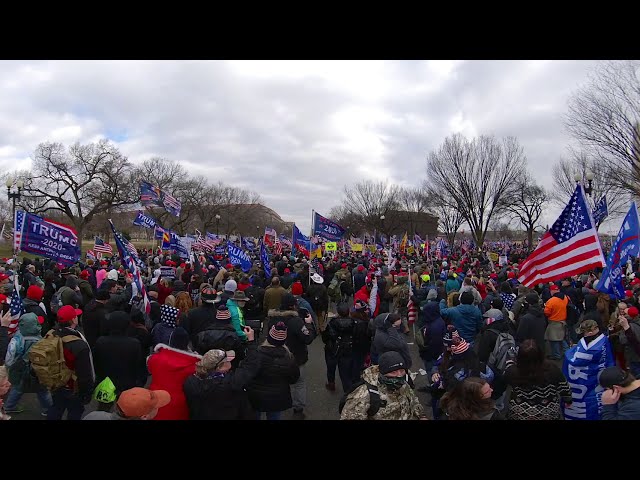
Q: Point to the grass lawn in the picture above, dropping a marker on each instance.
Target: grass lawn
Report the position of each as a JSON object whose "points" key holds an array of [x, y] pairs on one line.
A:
{"points": [[6, 247]]}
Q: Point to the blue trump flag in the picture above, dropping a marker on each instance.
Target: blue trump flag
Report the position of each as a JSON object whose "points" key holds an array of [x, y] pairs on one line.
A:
{"points": [[264, 258], [627, 244], [175, 243], [600, 211], [327, 229], [145, 221], [40, 236], [238, 257], [248, 243], [301, 241]]}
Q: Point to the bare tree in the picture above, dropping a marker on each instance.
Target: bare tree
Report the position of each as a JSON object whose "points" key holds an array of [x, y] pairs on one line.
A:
{"points": [[449, 217], [367, 201], [475, 175], [526, 205], [603, 117], [580, 162], [80, 182]]}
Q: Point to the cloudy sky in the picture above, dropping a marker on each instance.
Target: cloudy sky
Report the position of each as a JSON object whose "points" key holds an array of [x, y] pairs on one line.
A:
{"points": [[293, 131]]}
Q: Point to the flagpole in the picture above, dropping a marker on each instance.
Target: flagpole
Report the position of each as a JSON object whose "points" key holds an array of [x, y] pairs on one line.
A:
{"points": [[313, 217]]}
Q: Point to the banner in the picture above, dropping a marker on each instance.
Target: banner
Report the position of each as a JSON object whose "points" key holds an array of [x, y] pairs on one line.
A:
{"points": [[331, 246], [46, 238], [237, 256], [494, 256], [301, 241], [502, 260], [327, 229], [248, 243], [626, 245], [145, 221], [167, 272], [152, 196], [264, 258], [356, 247]]}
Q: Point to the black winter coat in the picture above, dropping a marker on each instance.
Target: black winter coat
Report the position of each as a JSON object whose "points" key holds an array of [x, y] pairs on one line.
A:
{"points": [[434, 329], [214, 398], [269, 391], [120, 358], [253, 309], [389, 338], [338, 336], [358, 281], [362, 333], [93, 322], [532, 325], [318, 297], [220, 334], [199, 319], [299, 333]]}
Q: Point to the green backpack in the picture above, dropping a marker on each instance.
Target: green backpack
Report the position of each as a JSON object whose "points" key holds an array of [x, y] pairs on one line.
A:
{"points": [[333, 289], [48, 363]]}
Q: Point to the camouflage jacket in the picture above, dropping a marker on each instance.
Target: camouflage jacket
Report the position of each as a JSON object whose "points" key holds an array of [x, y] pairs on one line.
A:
{"points": [[402, 404]]}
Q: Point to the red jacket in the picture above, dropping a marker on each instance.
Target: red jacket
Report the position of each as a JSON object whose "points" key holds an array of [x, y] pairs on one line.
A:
{"points": [[169, 368], [163, 293], [363, 295]]}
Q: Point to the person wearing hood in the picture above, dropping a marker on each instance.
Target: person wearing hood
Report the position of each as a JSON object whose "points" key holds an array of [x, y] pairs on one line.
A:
{"points": [[556, 312], [398, 401], [300, 333], [581, 366], [433, 329], [452, 284], [85, 287], [117, 355], [161, 333], [533, 323], [169, 366], [235, 305], [70, 292], [33, 304], [388, 338], [17, 362], [496, 324], [466, 317]]}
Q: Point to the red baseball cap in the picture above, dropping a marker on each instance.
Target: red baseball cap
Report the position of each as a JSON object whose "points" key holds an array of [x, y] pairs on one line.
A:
{"points": [[635, 281], [632, 312], [344, 265], [68, 313], [554, 288], [628, 294], [3, 276], [84, 274], [511, 275]]}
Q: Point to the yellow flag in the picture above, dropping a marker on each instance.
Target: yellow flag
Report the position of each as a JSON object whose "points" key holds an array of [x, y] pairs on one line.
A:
{"points": [[372, 248], [331, 246], [410, 250], [356, 247], [403, 244], [493, 256], [315, 253]]}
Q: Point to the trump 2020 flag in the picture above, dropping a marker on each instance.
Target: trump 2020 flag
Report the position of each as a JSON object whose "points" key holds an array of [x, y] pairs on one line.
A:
{"points": [[326, 228], [264, 258], [41, 236], [145, 221], [570, 247], [627, 244], [237, 256], [600, 211]]}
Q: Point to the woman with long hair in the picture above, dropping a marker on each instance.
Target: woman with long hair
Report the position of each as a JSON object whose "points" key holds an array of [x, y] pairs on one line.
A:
{"points": [[537, 385], [470, 399], [184, 304]]}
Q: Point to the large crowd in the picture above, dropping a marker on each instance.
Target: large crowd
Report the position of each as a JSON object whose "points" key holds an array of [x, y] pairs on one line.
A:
{"points": [[219, 343]]}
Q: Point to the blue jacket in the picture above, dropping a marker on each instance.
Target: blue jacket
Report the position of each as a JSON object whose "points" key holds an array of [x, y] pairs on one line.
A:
{"points": [[627, 408], [452, 284], [466, 318]]}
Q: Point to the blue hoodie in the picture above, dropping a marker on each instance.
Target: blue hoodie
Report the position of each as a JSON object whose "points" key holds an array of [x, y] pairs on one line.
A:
{"points": [[466, 318]]}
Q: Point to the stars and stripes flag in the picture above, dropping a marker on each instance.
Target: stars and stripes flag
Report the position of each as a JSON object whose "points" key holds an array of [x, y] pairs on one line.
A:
{"points": [[100, 246], [277, 248], [285, 241], [130, 262], [570, 247], [91, 255], [15, 307], [268, 233], [18, 225], [412, 314]]}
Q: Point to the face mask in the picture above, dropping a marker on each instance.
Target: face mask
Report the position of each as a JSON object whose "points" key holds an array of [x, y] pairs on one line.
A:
{"points": [[391, 383]]}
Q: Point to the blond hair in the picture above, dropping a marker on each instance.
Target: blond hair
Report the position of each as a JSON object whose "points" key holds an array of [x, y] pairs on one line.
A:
{"points": [[183, 302]]}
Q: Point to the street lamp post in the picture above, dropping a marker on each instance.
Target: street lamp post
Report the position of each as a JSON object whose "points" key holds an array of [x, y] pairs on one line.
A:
{"points": [[14, 195], [589, 176], [382, 217], [217, 225]]}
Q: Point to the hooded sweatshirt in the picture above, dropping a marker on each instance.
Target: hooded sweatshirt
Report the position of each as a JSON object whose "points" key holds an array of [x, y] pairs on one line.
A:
{"points": [[27, 335], [169, 368]]}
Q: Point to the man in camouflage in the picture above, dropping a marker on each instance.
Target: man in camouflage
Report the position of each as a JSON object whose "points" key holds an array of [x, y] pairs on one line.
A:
{"points": [[398, 400]]}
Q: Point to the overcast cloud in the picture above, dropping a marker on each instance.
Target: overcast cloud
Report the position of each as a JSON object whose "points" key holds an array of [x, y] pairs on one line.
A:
{"points": [[295, 132]]}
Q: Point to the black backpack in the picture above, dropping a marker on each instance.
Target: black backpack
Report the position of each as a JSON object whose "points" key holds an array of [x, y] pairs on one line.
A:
{"points": [[572, 313], [375, 402]]}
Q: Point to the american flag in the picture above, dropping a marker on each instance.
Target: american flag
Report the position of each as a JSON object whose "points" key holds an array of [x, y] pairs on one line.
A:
{"points": [[277, 248], [19, 225], [130, 248], [285, 241], [91, 255], [99, 245], [570, 247], [16, 307]]}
